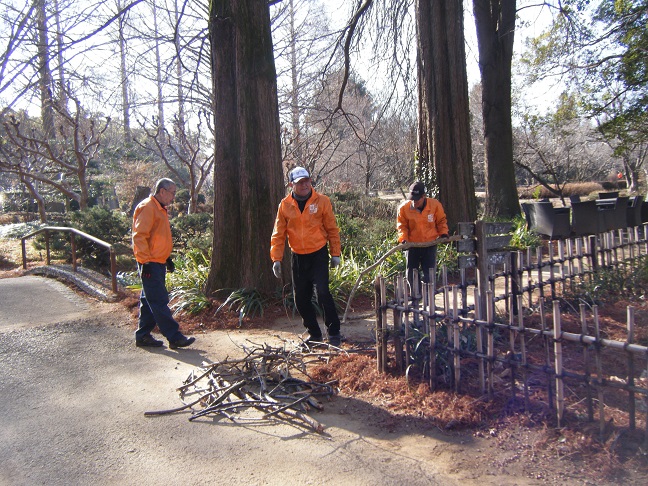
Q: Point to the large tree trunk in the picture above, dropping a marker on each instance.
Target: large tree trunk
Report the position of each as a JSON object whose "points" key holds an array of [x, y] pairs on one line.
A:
{"points": [[444, 123], [248, 178], [495, 21]]}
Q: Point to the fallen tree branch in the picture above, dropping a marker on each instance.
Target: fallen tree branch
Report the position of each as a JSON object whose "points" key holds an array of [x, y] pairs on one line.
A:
{"points": [[261, 381]]}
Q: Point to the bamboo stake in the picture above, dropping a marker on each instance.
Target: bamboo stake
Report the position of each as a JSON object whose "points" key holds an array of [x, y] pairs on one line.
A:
{"points": [[586, 366], [480, 340], [380, 327], [490, 318], [406, 319], [525, 374], [552, 275], [398, 343], [560, 397], [432, 335], [547, 347], [579, 256], [511, 353], [449, 331], [529, 267], [631, 368], [599, 371], [457, 340], [383, 314]]}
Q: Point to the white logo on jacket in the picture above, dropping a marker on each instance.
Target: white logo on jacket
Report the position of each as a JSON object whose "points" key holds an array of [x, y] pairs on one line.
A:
{"points": [[312, 208], [430, 218]]}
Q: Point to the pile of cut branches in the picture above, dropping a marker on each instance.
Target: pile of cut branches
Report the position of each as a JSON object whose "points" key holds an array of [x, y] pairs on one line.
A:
{"points": [[267, 383]]}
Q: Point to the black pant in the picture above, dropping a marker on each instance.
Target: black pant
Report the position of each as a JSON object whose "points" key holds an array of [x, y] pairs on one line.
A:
{"points": [[312, 270], [425, 258], [154, 304]]}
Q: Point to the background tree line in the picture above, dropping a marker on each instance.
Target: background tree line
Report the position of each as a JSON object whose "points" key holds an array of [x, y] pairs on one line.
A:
{"points": [[102, 97]]}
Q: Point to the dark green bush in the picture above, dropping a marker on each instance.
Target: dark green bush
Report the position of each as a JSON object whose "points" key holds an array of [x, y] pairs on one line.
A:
{"points": [[365, 223], [192, 231], [181, 201], [109, 226]]}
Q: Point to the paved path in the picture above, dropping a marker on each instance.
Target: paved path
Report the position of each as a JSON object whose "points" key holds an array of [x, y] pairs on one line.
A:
{"points": [[31, 301]]}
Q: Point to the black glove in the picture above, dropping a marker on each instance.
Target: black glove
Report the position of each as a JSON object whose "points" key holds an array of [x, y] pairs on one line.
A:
{"points": [[445, 235], [145, 270], [170, 265]]}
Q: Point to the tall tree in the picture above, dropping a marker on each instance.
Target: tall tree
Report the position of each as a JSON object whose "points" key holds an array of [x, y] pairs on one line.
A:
{"points": [[121, 39], [495, 22], [61, 164], [45, 74], [248, 177], [445, 160], [158, 69]]}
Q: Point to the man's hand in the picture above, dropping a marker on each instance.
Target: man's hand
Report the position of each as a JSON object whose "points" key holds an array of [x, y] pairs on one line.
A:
{"points": [[445, 235], [170, 265], [145, 271], [276, 269], [335, 261]]}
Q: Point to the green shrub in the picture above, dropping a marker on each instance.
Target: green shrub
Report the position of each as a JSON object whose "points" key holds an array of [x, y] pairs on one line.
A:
{"points": [[181, 201], [619, 282], [110, 226], [188, 282], [522, 237], [193, 231], [59, 241], [247, 302], [365, 223]]}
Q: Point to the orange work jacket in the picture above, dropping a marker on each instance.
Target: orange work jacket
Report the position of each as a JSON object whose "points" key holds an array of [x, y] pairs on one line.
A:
{"points": [[416, 226], [152, 241], [307, 231]]}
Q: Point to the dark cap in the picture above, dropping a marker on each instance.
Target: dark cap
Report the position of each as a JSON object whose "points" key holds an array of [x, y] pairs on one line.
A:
{"points": [[417, 191]]}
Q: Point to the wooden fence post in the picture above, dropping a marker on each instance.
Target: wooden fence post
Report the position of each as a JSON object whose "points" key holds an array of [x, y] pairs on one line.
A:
{"points": [[586, 366], [482, 262], [490, 342], [631, 370], [558, 368], [380, 330], [599, 372], [479, 332]]}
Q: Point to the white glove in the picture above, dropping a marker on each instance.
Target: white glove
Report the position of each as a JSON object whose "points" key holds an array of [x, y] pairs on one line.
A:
{"points": [[335, 261], [276, 269]]}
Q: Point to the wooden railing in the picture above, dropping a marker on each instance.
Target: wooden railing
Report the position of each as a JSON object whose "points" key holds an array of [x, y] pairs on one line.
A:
{"points": [[73, 232]]}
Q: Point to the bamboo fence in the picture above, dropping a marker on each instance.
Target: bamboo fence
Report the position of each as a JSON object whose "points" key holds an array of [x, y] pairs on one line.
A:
{"points": [[443, 333]]}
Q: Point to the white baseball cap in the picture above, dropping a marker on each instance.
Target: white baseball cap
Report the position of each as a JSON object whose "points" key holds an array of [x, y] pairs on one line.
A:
{"points": [[298, 173]]}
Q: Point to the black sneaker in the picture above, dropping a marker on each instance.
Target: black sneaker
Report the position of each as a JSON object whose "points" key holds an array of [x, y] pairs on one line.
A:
{"points": [[182, 343], [310, 341], [149, 341], [335, 339]]}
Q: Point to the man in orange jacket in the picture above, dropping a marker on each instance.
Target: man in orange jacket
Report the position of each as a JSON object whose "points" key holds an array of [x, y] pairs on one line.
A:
{"points": [[152, 245], [420, 219], [306, 218]]}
